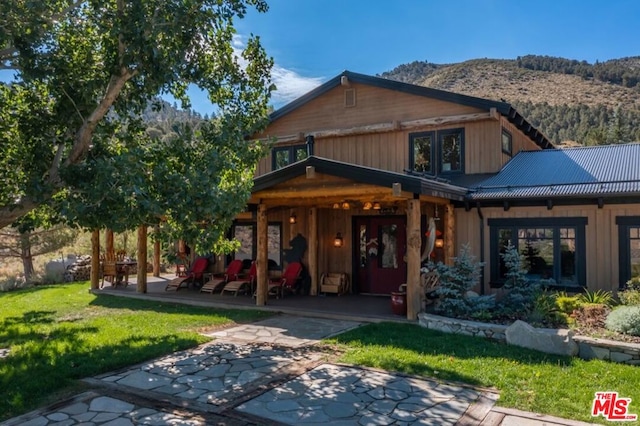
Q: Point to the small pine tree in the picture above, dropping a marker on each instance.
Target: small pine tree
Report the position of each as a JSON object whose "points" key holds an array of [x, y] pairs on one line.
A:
{"points": [[521, 291], [455, 282]]}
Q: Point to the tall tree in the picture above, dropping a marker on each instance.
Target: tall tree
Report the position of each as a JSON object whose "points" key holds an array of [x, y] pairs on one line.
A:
{"points": [[85, 70]]}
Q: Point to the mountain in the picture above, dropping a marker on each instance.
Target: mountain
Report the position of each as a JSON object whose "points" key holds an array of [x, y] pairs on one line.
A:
{"points": [[568, 100]]}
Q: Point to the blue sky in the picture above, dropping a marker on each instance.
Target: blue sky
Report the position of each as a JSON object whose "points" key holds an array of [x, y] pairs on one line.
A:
{"points": [[312, 41]]}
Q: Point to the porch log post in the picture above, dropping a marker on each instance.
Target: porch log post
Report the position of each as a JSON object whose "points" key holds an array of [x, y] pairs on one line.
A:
{"points": [[262, 258], [95, 259], [108, 245], [156, 254], [414, 241], [449, 234], [142, 260], [313, 249]]}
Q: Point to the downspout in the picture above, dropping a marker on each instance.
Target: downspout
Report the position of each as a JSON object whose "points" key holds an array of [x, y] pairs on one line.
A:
{"points": [[481, 248]]}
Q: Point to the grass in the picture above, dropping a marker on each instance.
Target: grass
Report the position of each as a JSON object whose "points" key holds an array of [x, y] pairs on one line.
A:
{"points": [[61, 333], [526, 379]]}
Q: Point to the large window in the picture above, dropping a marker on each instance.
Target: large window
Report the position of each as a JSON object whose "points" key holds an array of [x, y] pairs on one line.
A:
{"points": [[246, 233], [550, 249], [285, 155], [436, 153], [629, 247]]}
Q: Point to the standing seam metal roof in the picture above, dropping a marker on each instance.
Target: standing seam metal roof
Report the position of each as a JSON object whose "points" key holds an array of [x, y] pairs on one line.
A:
{"points": [[595, 171]]}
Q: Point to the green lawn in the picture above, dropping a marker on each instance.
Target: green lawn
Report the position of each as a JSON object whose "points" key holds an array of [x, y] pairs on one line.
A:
{"points": [[58, 334], [527, 380]]}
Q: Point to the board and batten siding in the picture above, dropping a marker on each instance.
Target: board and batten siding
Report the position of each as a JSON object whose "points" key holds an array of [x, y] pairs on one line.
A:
{"points": [[601, 234]]}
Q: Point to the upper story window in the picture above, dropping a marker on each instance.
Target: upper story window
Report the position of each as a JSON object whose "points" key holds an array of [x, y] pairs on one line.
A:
{"points": [[285, 155], [437, 152], [507, 144]]}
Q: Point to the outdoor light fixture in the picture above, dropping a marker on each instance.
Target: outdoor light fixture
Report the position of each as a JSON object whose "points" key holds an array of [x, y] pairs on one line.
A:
{"points": [[367, 206], [346, 206], [336, 205], [376, 206], [337, 242], [439, 242], [293, 219]]}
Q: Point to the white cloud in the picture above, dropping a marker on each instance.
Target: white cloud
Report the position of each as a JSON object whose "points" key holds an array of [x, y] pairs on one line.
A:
{"points": [[291, 85]]}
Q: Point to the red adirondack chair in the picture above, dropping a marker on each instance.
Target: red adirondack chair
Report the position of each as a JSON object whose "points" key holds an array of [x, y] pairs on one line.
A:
{"points": [[195, 273], [288, 281], [243, 282], [219, 280]]}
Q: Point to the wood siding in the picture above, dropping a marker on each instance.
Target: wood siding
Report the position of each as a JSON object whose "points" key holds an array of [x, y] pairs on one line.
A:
{"points": [[601, 234]]}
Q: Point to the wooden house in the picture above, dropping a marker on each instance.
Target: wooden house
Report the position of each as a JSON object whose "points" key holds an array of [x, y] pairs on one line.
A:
{"points": [[359, 167]]}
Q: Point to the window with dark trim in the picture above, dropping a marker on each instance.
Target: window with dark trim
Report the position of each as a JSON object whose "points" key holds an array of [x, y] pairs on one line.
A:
{"points": [[507, 144], [246, 233], [550, 249], [284, 155], [440, 152], [628, 248]]}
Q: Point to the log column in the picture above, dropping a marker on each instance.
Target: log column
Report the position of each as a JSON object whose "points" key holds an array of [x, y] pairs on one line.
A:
{"points": [[313, 249], [449, 234], [156, 254], [414, 241], [263, 257], [142, 260], [95, 259], [108, 245]]}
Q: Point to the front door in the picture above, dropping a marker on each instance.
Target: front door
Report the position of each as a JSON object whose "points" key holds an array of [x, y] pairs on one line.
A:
{"points": [[380, 255]]}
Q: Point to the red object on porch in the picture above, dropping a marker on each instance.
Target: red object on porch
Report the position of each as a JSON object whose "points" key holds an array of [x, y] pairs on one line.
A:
{"points": [[196, 273], [288, 280], [246, 282], [219, 280], [399, 303]]}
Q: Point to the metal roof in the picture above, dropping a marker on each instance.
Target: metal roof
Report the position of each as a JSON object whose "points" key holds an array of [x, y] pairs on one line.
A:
{"points": [[600, 171], [503, 108]]}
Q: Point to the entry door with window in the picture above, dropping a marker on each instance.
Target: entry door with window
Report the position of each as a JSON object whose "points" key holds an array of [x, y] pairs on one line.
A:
{"points": [[380, 258]]}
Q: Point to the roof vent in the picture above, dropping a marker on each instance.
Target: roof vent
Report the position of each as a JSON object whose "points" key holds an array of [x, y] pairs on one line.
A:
{"points": [[350, 98]]}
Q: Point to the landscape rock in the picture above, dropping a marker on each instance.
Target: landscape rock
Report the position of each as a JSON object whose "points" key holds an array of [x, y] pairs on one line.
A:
{"points": [[559, 342]]}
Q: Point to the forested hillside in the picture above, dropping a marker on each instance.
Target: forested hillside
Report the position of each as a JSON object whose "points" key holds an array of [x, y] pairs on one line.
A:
{"points": [[568, 100]]}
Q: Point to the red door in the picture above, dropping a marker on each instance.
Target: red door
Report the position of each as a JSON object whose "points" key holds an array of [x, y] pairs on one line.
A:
{"points": [[380, 259]]}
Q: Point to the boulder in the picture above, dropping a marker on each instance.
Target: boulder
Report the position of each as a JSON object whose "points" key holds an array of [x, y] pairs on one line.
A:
{"points": [[559, 342]]}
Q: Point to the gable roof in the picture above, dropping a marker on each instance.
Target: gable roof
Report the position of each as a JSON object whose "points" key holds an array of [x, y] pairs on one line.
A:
{"points": [[410, 183], [600, 171], [503, 108]]}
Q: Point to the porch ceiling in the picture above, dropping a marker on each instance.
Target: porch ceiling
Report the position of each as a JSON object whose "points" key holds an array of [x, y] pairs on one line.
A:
{"points": [[318, 181]]}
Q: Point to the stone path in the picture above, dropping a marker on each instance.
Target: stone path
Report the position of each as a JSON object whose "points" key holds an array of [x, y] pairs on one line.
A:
{"points": [[269, 374]]}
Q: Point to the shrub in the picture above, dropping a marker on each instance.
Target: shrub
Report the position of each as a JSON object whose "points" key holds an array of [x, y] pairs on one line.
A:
{"points": [[455, 282], [631, 293], [591, 315], [522, 292], [568, 304], [624, 319], [545, 311], [599, 297]]}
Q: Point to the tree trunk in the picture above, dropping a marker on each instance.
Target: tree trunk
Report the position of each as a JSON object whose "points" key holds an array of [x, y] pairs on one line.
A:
{"points": [[25, 255]]}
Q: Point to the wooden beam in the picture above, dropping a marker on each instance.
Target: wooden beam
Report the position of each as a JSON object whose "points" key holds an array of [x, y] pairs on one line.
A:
{"points": [[141, 286], [449, 234], [314, 191], [389, 126], [327, 202], [414, 241], [156, 253], [95, 259], [313, 249], [262, 260]]}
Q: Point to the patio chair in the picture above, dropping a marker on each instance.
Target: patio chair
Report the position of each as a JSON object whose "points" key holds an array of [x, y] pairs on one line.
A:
{"points": [[194, 274], [109, 272], [218, 281], [288, 281], [246, 282]]}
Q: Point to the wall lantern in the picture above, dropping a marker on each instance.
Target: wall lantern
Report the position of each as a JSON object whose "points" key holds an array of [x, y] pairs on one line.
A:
{"points": [[367, 206], [376, 206], [346, 206], [337, 242], [439, 243], [293, 219], [336, 205]]}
